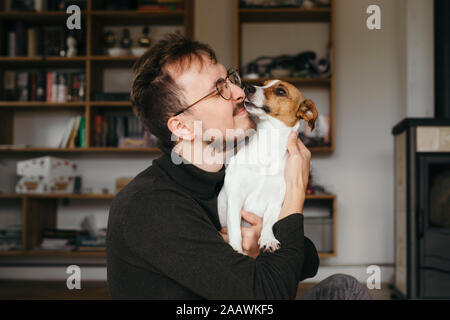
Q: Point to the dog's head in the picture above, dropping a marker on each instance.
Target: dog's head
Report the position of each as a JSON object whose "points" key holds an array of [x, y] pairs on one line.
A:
{"points": [[280, 100]]}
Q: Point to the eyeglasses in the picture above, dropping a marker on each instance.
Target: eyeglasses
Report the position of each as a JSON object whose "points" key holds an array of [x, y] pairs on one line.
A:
{"points": [[222, 88]]}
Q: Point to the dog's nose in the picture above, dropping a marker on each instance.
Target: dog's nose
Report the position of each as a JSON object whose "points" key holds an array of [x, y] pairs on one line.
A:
{"points": [[249, 89]]}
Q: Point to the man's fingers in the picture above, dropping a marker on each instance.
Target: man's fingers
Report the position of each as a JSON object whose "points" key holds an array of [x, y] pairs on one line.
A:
{"points": [[292, 146], [251, 218], [224, 230], [224, 236]]}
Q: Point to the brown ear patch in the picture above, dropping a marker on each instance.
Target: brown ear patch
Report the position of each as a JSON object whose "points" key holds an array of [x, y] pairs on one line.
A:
{"points": [[308, 112]]}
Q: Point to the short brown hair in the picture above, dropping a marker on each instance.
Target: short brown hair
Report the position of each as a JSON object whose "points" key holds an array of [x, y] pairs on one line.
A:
{"points": [[155, 97]]}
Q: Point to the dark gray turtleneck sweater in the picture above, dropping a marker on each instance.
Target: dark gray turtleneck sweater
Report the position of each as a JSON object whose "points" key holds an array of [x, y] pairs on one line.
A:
{"points": [[163, 242]]}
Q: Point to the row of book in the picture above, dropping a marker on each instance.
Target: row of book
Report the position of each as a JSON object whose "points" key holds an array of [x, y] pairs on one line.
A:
{"points": [[123, 131], [37, 41], [11, 238], [42, 5], [71, 240], [45, 86], [74, 135], [159, 5]]}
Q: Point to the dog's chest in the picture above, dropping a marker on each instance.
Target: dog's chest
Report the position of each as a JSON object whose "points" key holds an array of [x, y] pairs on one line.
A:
{"points": [[258, 173]]}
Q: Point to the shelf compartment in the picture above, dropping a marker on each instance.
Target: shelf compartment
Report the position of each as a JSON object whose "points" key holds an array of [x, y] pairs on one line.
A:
{"points": [[320, 219]]}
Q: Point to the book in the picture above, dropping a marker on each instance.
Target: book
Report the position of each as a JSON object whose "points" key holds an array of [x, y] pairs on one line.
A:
{"points": [[66, 134], [54, 96], [71, 143], [41, 86], [22, 85], [9, 80], [31, 47], [12, 44], [82, 133]]}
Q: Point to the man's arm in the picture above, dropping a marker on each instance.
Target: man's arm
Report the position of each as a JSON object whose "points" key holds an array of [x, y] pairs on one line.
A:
{"points": [[177, 238]]}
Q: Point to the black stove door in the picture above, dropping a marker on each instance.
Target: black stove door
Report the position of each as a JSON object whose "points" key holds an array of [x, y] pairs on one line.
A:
{"points": [[434, 225]]}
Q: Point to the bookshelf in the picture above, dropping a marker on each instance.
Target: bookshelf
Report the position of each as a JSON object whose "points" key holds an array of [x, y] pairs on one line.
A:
{"points": [[245, 16], [40, 211], [34, 221]]}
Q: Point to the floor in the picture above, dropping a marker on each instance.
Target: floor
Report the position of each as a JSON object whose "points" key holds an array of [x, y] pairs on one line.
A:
{"points": [[97, 290]]}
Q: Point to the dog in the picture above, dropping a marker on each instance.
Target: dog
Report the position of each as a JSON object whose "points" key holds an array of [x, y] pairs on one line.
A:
{"points": [[254, 177]]}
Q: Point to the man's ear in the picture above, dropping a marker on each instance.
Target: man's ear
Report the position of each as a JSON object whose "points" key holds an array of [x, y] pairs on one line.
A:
{"points": [[308, 112], [181, 129]]}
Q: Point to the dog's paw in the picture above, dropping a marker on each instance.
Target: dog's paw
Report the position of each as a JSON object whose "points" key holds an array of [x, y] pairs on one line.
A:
{"points": [[269, 244]]}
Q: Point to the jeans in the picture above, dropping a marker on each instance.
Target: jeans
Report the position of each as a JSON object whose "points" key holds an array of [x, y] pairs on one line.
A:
{"points": [[337, 287]]}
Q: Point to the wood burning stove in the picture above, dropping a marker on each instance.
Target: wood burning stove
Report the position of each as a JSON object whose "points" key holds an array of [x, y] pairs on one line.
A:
{"points": [[422, 209]]}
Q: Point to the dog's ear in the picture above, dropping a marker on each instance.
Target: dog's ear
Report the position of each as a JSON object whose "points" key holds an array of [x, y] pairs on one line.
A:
{"points": [[308, 112]]}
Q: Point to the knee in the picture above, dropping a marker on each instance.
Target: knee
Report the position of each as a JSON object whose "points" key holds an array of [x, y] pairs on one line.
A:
{"points": [[343, 281]]}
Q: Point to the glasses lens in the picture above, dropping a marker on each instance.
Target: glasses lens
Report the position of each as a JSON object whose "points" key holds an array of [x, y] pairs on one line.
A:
{"points": [[233, 75], [224, 89]]}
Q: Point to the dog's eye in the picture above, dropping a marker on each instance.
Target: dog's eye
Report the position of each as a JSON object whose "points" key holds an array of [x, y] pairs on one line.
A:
{"points": [[280, 92]]}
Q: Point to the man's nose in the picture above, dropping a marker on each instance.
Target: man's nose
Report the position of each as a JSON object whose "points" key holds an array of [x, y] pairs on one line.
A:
{"points": [[249, 89], [237, 93]]}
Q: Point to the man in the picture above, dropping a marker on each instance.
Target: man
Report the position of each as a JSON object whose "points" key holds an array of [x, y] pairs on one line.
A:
{"points": [[164, 236]]}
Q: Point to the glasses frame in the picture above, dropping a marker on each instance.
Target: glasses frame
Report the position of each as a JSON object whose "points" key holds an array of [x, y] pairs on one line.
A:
{"points": [[230, 72]]}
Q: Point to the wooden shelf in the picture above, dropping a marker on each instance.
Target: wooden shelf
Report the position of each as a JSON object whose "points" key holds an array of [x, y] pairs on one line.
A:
{"points": [[19, 104], [56, 196], [325, 82], [11, 252], [45, 253], [41, 16], [91, 149], [110, 104], [263, 15]]}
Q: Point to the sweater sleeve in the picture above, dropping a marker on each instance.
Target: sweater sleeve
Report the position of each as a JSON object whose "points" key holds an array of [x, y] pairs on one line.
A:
{"points": [[311, 260], [178, 239]]}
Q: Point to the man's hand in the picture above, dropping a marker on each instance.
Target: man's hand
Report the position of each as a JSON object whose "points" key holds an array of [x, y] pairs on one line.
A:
{"points": [[250, 235], [296, 175]]}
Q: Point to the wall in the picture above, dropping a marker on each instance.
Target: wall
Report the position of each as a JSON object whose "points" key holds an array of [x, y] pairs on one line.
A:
{"points": [[371, 95]]}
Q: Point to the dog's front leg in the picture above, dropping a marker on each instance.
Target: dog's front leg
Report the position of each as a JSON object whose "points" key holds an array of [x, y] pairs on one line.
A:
{"points": [[234, 207], [267, 240]]}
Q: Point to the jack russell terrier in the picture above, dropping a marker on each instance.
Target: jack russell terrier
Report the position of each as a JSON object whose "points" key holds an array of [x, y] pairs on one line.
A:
{"points": [[254, 176]]}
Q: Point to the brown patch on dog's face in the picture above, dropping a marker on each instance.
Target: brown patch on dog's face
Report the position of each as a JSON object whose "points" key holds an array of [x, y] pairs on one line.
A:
{"points": [[286, 103]]}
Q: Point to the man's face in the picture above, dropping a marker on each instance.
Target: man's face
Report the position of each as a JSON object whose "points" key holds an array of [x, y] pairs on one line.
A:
{"points": [[227, 116]]}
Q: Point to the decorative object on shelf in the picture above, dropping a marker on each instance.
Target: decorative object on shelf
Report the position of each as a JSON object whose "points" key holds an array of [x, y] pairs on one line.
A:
{"points": [[46, 175], [71, 43], [122, 182], [302, 65], [126, 41], [109, 39], [11, 238], [143, 42], [252, 71]]}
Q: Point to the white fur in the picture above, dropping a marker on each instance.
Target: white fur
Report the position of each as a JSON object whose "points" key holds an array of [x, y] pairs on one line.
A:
{"points": [[254, 178]]}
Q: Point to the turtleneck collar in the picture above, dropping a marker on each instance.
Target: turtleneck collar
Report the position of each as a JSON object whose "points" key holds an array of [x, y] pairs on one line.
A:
{"points": [[198, 181]]}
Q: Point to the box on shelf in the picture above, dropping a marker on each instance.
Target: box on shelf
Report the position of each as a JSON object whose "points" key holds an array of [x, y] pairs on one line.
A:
{"points": [[46, 175]]}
